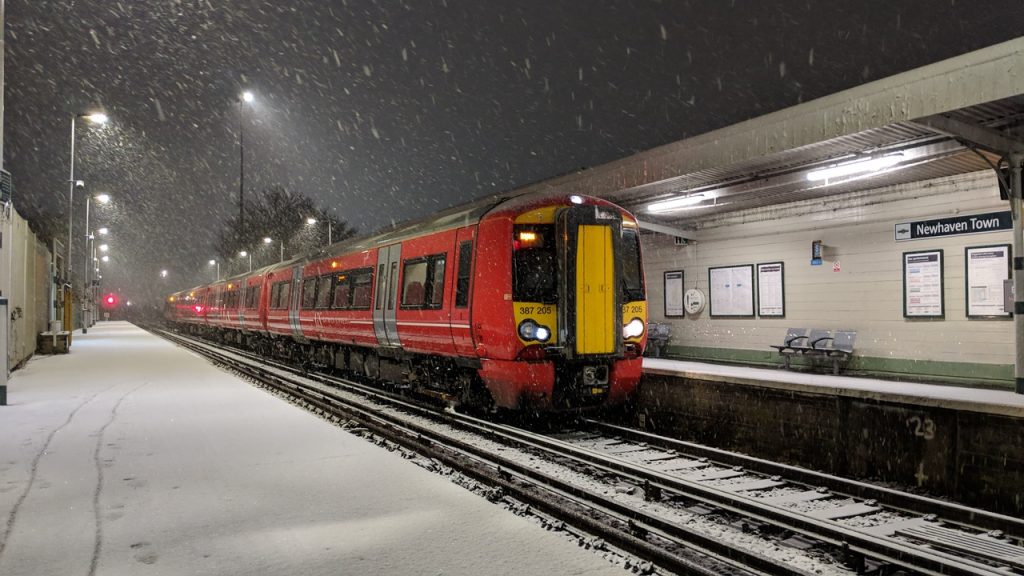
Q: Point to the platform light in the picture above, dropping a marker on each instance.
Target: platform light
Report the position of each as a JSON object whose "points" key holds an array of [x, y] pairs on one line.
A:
{"points": [[97, 118], [213, 262], [248, 96], [103, 198], [677, 203], [311, 221], [103, 231], [104, 247], [105, 258], [855, 167], [267, 240], [163, 273]]}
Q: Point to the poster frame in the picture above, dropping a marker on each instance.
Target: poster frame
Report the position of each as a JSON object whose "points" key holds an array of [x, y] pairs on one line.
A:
{"points": [[942, 285], [682, 286], [753, 292], [782, 288], [967, 281]]}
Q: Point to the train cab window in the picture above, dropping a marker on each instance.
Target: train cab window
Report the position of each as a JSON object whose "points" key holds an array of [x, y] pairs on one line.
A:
{"points": [[323, 291], [413, 284], [362, 285], [632, 275], [462, 279], [534, 264], [308, 293]]}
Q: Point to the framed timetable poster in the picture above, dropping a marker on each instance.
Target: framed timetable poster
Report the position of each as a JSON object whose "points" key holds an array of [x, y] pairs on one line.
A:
{"points": [[922, 285], [987, 268]]}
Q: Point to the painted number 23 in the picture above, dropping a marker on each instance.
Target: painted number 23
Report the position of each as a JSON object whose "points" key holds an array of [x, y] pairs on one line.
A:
{"points": [[923, 427]]}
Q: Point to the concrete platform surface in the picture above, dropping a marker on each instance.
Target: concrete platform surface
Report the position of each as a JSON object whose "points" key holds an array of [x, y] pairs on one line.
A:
{"points": [[1001, 402], [132, 456]]}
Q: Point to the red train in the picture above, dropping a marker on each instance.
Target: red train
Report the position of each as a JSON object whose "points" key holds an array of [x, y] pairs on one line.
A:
{"points": [[531, 303]]}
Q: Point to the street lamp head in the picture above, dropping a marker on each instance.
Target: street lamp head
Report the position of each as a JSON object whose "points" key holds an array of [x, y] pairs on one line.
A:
{"points": [[105, 258], [213, 262], [103, 198], [103, 231], [79, 184], [311, 221], [268, 240], [104, 247], [243, 253], [163, 273], [98, 118], [247, 96]]}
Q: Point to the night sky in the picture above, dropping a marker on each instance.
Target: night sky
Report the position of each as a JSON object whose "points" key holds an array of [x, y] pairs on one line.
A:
{"points": [[386, 111]]}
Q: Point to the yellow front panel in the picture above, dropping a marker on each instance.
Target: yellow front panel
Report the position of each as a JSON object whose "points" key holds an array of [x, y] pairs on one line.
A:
{"points": [[596, 318]]}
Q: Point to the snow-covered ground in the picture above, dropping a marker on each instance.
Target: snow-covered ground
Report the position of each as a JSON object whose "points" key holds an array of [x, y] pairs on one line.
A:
{"points": [[132, 456], [955, 397]]}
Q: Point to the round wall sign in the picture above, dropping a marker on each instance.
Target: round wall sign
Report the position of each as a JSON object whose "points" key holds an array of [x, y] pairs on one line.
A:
{"points": [[693, 301]]}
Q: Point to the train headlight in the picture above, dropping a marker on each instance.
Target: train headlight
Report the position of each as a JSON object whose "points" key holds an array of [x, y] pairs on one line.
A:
{"points": [[530, 330], [635, 328]]}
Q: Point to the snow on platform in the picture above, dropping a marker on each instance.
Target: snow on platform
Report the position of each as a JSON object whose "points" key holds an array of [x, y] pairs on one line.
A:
{"points": [[133, 456], [940, 395]]}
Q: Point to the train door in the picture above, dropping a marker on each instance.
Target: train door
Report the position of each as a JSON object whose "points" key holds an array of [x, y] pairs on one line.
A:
{"points": [[463, 278], [384, 323], [295, 306], [591, 314]]}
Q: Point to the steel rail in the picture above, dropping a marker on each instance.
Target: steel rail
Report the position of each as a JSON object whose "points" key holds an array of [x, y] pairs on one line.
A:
{"points": [[883, 549], [621, 525]]}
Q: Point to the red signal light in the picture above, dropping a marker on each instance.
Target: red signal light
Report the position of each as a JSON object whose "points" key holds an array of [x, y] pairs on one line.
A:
{"points": [[110, 300]]}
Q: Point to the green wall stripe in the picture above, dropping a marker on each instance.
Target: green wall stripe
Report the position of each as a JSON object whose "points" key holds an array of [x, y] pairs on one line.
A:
{"points": [[954, 373]]}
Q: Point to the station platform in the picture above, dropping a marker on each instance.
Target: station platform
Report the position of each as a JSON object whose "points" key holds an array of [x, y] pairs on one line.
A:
{"points": [[966, 444], [133, 456], [1002, 402]]}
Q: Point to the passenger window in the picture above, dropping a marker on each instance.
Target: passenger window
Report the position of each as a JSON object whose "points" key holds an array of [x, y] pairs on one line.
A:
{"points": [[362, 284], [286, 293], [436, 287], [414, 284], [308, 293], [465, 268], [275, 295], [342, 292], [323, 291]]}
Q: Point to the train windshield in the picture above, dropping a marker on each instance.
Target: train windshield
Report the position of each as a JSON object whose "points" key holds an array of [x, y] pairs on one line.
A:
{"points": [[632, 275], [534, 264]]}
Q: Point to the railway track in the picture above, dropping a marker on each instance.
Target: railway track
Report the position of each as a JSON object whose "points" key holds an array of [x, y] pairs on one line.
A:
{"points": [[683, 507]]}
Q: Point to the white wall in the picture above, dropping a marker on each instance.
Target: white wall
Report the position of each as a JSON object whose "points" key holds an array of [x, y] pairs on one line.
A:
{"points": [[24, 281], [866, 294]]}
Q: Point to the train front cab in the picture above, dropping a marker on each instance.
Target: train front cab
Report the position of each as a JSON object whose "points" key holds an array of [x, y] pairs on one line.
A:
{"points": [[579, 308]]}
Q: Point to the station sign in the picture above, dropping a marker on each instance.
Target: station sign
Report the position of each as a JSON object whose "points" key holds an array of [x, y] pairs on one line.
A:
{"points": [[954, 226]]}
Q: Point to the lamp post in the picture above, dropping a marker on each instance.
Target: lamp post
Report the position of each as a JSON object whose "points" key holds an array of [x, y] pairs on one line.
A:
{"points": [[87, 294], [243, 254], [247, 97], [217, 264], [97, 118]]}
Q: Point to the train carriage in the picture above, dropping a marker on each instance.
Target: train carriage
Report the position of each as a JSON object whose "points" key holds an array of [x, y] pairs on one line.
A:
{"points": [[531, 303]]}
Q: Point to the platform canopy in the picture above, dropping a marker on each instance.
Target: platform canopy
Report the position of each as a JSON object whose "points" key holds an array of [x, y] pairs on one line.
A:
{"points": [[951, 117]]}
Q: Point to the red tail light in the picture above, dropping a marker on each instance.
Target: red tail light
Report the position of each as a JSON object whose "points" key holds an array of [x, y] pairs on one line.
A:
{"points": [[199, 309]]}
